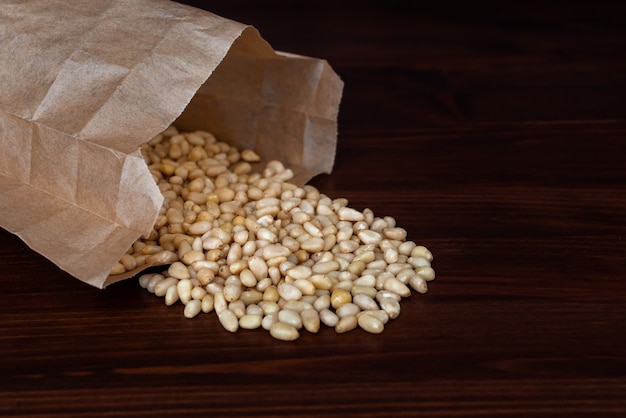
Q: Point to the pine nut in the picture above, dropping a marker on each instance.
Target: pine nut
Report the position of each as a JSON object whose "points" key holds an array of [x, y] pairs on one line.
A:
{"points": [[345, 324], [366, 280], [325, 267], [313, 244], [214, 287], [418, 262], [418, 283], [289, 292], [290, 317], [387, 294], [200, 228], [192, 308], [232, 291], [144, 279], [283, 331], [128, 261], [368, 236], [406, 247], [238, 308], [310, 320], [348, 309], [423, 252], [391, 255], [263, 284], [273, 251], [251, 296], [348, 246], [380, 314], [178, 270], [160, 288], [321, 303], [198, 293], [365, 256], [365, 302], [272, 294], [250, 321], [328, 317], [184, 290], [396, 286], [349, 214], [258, 267], [378, 224], [426, 272], [219, 302], [228, 320], [171, 295], [405, 275], [269, 320], [345, 234], [299, 272], [370, 324], [305, 286], [369, 291], [269, 307], [391, 306], [321, 281], [207, 303], [250, 156], [395, 233], [254, 309], [340, 297]]}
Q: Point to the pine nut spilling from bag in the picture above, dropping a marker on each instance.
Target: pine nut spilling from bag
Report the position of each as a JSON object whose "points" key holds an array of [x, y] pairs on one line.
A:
{"points": [[262, 252]]}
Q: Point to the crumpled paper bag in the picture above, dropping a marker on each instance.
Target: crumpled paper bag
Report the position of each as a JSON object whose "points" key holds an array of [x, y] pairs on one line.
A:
{"points": [[86, 83]]}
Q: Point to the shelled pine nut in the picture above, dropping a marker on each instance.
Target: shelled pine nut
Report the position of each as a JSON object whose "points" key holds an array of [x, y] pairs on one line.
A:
{"points": [[262, 252]]}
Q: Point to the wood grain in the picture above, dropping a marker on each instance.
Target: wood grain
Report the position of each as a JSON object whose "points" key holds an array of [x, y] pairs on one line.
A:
{"points": [[495, 134]]}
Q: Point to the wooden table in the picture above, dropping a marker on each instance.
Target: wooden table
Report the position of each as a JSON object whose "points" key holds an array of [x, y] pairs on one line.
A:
{"points": [[495, 134]]}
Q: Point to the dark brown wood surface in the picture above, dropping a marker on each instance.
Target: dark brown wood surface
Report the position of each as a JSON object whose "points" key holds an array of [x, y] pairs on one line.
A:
{"points": [[496, 135]]}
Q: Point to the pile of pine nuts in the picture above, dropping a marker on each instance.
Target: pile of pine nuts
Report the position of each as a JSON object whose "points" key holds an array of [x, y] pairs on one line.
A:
{"points": [[260, 251]]}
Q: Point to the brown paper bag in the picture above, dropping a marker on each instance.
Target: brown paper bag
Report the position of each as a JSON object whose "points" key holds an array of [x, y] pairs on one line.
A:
{"points": [[85, 84]]}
